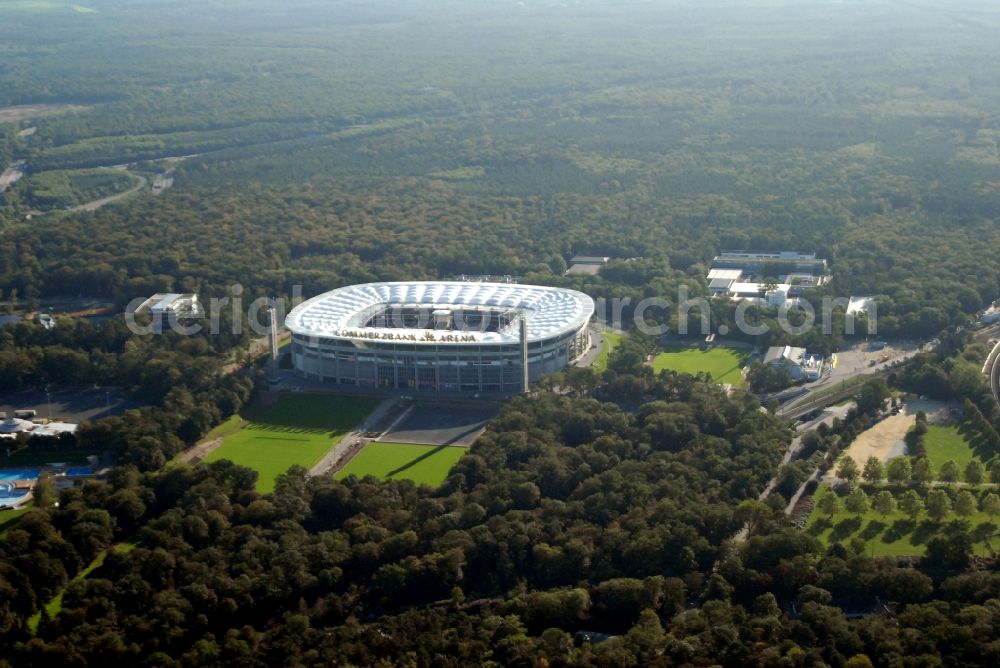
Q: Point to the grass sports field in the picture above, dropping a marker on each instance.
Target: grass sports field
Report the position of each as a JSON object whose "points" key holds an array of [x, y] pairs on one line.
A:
{"points": [[297, 429], [892, 535], [609, 343], [423, 464], [724, 364]]}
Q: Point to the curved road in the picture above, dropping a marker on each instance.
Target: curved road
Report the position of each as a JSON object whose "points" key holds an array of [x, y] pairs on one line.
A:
{"points": [[98, 203]]}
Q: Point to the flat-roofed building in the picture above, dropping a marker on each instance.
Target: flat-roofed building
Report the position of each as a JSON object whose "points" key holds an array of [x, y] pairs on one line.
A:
{"points": [[731, 274], [720, 286], [753, 261], [587, 264], [168, 307], [773, 296], [54, 429], [799, 363]]}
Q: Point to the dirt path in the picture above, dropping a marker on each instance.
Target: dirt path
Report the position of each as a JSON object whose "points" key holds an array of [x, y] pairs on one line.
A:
{"points": [[98, 203], [199, 452], [21, 112], [352, 443]]}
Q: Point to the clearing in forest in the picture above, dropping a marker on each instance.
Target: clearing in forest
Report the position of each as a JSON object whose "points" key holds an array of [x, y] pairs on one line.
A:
{"points": [[725, 365], [297, 429]]}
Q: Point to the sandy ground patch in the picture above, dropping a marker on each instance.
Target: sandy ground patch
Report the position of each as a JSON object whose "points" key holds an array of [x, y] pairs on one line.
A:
{"points": [[11, 175], [20, 112], [885, 439]]}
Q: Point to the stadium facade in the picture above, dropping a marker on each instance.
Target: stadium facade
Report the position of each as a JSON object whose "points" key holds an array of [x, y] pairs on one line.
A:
{"points": [[444, 336]]}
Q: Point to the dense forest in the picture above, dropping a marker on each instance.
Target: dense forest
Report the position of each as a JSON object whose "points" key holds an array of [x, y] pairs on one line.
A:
{"points": [[861, 132], [570, 515], [315, 144]]}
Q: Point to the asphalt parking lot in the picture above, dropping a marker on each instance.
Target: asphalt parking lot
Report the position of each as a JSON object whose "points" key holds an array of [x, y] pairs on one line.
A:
{"points": [[68, 404], [442, 423]]}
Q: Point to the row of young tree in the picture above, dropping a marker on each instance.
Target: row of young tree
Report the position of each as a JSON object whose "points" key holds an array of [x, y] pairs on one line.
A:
{"points": [[936, 502], [917, 469], [570, 519]]}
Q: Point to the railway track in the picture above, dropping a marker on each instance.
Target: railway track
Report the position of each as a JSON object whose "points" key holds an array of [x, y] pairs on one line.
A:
{"points": [[823, 402]]}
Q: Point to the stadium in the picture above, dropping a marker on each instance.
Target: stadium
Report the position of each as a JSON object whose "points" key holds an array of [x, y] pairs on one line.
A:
{"points": [[445, 336]]}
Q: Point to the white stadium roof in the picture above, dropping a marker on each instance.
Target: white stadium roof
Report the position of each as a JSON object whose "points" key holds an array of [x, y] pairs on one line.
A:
{"points": [[343, 312]]}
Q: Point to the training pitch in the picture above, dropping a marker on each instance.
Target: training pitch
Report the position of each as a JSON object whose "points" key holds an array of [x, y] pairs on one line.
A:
{"points": [[423, 464], [725, 365], [297, 429]]}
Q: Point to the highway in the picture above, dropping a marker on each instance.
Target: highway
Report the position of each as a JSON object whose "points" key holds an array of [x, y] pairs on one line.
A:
{"points": [[995, 375]]}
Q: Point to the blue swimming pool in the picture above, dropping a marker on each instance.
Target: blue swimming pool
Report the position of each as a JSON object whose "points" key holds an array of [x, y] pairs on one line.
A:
{"points": [[79, 470], [20, 474]]}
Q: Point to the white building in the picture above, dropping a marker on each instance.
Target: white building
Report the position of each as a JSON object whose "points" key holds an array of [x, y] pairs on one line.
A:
{"points": [[15, 426], [12, 427], [54, 429], [169, 307], [797, 361], [741, 275], [587, 264], [439, 335]]}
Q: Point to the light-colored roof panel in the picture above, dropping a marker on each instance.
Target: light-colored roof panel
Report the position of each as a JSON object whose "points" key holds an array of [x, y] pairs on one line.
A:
{"points": [[549, 311], [733, 274]]}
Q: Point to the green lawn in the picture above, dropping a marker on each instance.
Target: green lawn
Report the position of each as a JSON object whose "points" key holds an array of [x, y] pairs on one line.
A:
{"points": [[423, 464], [609, 343], [225, 428], [948, 442], [298, 429], [724, 364], [55, 605], [892, 535], [10, 518]]}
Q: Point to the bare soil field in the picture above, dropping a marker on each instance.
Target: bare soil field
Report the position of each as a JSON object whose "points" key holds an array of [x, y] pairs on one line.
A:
{"points": [[25, 111], [885, 439]]}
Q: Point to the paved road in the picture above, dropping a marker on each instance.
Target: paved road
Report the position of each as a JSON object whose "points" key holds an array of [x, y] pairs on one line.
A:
{"points": [[98, 203], [351, 443], [995, 379], [805, 404], [596, 345]]}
